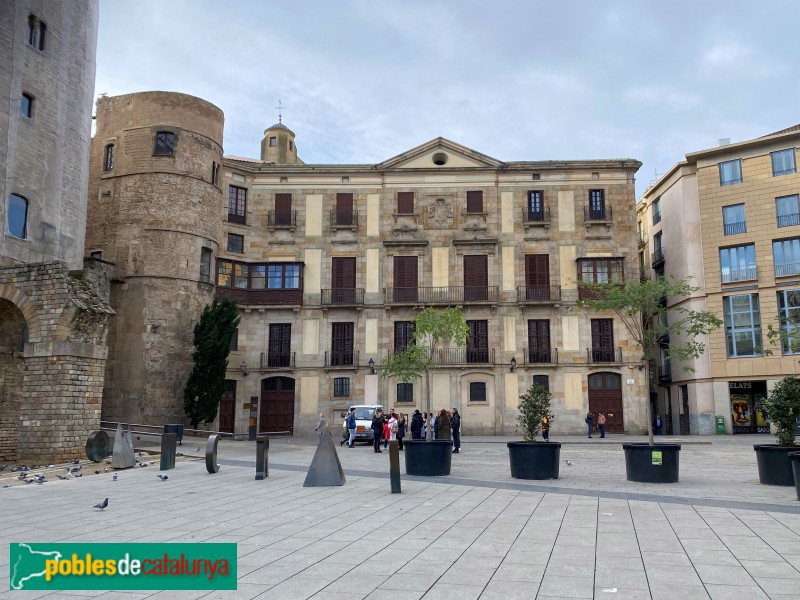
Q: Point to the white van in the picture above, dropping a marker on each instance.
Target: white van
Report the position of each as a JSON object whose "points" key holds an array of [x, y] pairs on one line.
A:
{"points": [[364, 414]]}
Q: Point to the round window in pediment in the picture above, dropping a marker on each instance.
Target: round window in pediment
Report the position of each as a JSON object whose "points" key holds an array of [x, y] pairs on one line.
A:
{"points": [[440, 158]]}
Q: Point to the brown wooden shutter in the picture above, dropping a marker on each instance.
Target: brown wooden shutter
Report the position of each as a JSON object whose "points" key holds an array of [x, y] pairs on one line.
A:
{"points": [[603, 340], [405, 278], [537, 276], [343, 280], [280, 344], [476, 278], [283, 209], [405, 203], [403, 334], [478, 342], [341, 344], [344, 209], [539, 341], [475, 202]]}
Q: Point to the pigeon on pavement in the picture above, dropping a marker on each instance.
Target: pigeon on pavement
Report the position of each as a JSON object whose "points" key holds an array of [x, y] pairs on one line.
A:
{"points": [[78, 474], [3, 467], [62, 476], [101, 505], [114, 478], [162, 477], [7, 485], [569, 462]]}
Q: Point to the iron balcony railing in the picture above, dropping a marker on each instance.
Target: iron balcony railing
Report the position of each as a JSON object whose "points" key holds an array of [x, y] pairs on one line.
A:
{"points": [[604, 355], [734, 228], [657, 259], [597, 214], [282, 360], [463, 356], [538, 293], [341, 359], [789, 220], [730, 275], [343, 297], [541, 356], [282, 218], [789, 268], [535, 216], [441, 295], [665, 372], [239, 219], [344, 218]]}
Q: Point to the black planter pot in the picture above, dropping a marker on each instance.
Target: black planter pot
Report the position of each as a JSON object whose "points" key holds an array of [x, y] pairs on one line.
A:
{"points": [[428, 458], [774, 465], [643, 466], [795, 458], [534, 460]]}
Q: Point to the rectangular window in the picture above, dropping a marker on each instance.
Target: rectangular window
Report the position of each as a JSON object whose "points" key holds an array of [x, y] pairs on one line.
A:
{"points": [[279, 351], [237, 204], [205, 265], [542, 381], [344, 209], [403, 334], [17, 218], [475, 202], [786, 254], [477, 391], [283, 276], [240, 276], [600, 270], [742, 325], [26, 106], [108, 158], [789, 318], [783, 162], [273, 141], [165, 143], [597, 205], [405, 392], [535, 205], [342, 344], [234, 347], [258, 276], [730, 172], [476, 278], [405, 203], [733, 219], [98, 255], [224, 273], [341, 387], [787, 209], [37, 31], [539, 341], [603, 341], [737, 263], [283, 209], [235, 243], [478, 342], [656, 211], [214, 172]]}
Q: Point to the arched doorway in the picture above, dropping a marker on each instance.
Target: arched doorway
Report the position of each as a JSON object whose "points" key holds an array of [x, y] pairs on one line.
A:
{"points": [[605, 396], [13, 337], [277, 405]]}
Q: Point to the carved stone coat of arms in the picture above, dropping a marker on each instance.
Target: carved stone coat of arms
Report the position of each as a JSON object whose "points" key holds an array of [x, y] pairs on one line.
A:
{"points": [[440, 211]]}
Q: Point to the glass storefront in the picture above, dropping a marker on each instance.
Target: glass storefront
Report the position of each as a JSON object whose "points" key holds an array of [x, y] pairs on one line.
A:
{"points": [[747, 411]]}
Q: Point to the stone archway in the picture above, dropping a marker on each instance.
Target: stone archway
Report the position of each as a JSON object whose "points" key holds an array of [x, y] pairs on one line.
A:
{"points": [[14, 334]]}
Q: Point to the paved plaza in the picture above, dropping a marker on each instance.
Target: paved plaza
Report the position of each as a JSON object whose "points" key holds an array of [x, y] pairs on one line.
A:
{"points": [[476, 534]]}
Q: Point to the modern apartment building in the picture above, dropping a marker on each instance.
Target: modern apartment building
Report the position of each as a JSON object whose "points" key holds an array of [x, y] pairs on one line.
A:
{"points": [[730, 218]]}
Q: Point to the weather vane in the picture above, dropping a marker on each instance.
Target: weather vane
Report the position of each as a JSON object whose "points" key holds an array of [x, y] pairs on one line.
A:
{"points": [[280, 108]]}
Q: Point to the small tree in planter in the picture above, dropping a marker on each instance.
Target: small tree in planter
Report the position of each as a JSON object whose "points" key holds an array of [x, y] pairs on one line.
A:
{"points": [[783, 407], [531, 459]]}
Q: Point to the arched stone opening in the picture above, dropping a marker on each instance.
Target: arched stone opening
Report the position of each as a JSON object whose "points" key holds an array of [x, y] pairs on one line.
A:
{"points": [[14, 333]]}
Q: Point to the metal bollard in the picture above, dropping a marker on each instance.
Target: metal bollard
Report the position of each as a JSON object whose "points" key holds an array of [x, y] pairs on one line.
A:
{"points": [[211, 454], [394, 466], [168, 449], [262, 457]]}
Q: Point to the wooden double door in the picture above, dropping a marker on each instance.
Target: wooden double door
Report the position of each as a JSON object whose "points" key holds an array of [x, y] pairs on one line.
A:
{"points": [[227, 407], [605, 396], [277, 405]]}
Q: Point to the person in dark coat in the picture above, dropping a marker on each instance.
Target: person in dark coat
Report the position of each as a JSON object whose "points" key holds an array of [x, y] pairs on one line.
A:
{"points": [[443, 425], [417, 423], [377, 430], [455, 425], [589, 418], [402, 423], [435, 427]]}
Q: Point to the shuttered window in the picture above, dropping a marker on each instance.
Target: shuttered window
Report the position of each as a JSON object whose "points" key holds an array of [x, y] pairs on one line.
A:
{"points": [[344, 209], [283, 209], [476, 278], [475, 202], [405, 203], [403, 334]]}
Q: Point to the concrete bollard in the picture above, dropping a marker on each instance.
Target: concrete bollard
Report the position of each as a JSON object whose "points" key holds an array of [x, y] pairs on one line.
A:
{"points": [[168, 449], [394, 466], [262, 457]]}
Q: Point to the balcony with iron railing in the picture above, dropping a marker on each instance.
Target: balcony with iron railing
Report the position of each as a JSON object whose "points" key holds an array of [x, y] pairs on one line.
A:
{"points": [[540, 356], [282, 218], [280, 360], [734, 228], [262, 297], [536, 217], [596, 214], [603, 355], [238, 219], [657, 258], [344, 219], [785, 269], [343, 297], [538, 294], [746, 274], [665, 372], [450, 295], [463, 356], [789, 220], [341, 359]]}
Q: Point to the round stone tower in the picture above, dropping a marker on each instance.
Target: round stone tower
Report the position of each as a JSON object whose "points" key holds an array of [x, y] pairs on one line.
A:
{"points": [[278, 146], [155, 212]]}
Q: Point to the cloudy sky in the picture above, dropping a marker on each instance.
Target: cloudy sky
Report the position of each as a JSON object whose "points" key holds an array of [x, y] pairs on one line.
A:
{"points": [[526, 80]]}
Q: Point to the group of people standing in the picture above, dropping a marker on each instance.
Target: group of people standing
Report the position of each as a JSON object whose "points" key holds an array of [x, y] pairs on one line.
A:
{"points": [[392, 425], [601, 423]]}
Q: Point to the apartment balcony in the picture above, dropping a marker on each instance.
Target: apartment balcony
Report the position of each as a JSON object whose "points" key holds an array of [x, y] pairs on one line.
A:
{"points": [[657, 258], [449, 295], [343, 297], [732, 275], [344, 219], [539, 356], [538, 294], [341, 359], [786, 269], [734, 228], [282, 219], [789, 220], [665, 372], [603, 355], [598, 215], [262, 297], [463, 356], [536, 217], [238, 219], [282, 360]]}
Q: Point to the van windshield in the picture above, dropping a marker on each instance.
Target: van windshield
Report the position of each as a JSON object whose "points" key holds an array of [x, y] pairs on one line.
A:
{"points": [[364, 413]]}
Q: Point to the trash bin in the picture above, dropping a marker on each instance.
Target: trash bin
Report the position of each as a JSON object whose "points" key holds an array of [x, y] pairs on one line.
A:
{"points": [[177, 429], [720, 425]]}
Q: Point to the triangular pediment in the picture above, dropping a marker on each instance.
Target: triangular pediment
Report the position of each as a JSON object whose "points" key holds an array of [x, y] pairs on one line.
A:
{"points": [[440, 153]]}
